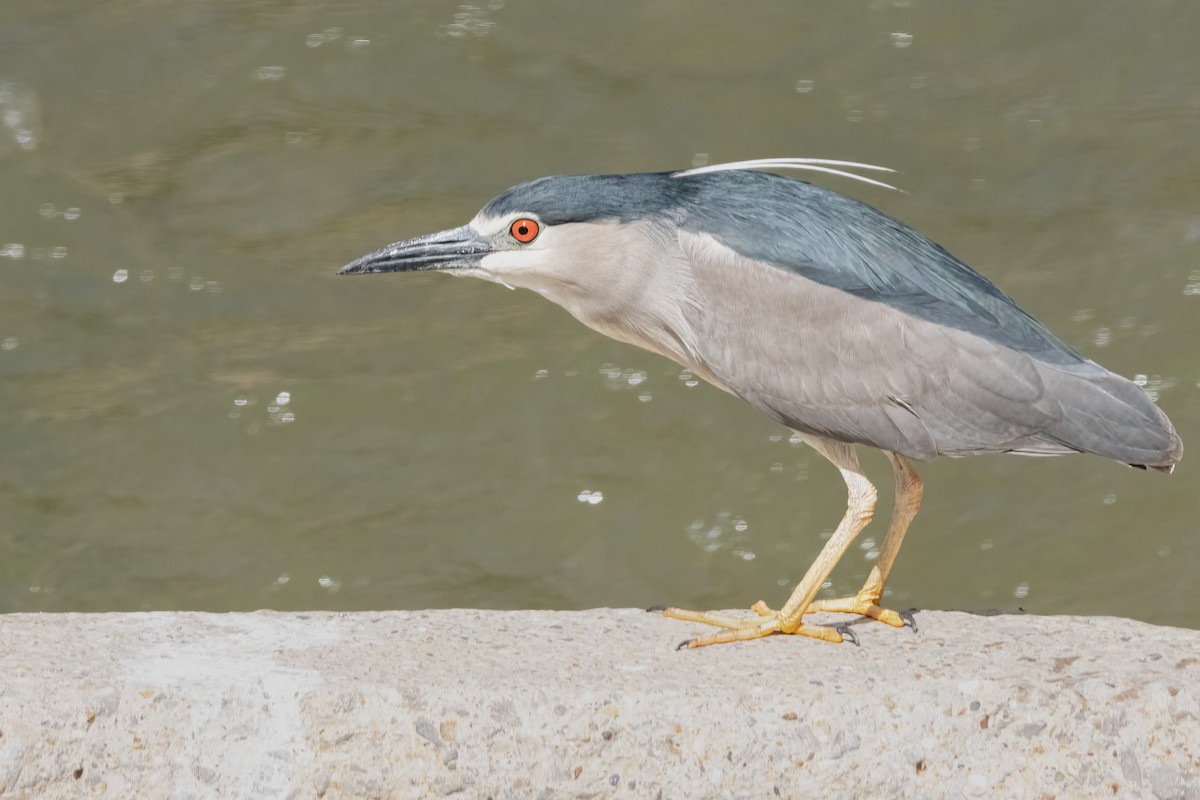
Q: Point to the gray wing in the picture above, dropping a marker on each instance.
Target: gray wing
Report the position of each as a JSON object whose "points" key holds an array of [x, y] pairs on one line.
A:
{"points": [[825, 361], [840, 242]]}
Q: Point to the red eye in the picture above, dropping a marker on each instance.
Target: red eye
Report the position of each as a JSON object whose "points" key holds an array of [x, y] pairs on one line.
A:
{"points": [[524, 230]]}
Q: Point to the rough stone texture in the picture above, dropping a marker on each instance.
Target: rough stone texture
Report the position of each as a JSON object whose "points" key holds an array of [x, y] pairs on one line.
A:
{"points": [[590, 705]]}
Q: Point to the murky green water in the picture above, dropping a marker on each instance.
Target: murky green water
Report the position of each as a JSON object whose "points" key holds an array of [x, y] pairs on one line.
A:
{"points": [[198, 414]]}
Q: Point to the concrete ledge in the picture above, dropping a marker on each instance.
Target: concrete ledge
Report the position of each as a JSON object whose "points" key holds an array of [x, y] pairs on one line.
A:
{"points": [[591, 704]]}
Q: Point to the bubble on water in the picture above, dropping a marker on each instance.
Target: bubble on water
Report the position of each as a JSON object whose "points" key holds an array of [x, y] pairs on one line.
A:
{"points": [[327, 35], [9, 343], [20, 115], [328, 583], [617, 378], [901, 39], [282, 579], [1157, 384], [12, 250], [1193, 285], [1102, 338], [726, 532], [271, 73], [804, 86], [120, 276], [1022, 591], [278, 412], [471, 20], [590, 497]]}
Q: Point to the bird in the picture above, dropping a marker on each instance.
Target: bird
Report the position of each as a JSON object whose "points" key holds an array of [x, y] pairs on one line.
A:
{"points": [[827, 315]]}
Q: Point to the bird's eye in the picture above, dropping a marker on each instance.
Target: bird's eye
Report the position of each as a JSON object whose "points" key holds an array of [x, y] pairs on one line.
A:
{"points": [[524, 230]]}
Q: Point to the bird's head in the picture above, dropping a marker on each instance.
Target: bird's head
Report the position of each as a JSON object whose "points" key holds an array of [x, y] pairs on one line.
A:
{"points": [[543, 231]]}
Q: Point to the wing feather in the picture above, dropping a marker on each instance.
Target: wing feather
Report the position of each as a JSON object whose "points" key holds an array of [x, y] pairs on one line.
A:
{"points": [[837, 241], [827, 362]]}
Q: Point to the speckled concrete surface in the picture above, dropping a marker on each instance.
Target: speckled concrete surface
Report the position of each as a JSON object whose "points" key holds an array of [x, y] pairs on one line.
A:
{"points": [[596, 704]]}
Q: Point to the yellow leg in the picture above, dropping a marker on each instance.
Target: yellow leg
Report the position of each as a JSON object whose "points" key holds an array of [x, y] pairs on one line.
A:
{"points": [[908, 501], [860, 505]]}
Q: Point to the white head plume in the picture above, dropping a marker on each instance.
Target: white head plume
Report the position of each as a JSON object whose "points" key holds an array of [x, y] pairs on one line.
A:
{"points": [[826, 165]]}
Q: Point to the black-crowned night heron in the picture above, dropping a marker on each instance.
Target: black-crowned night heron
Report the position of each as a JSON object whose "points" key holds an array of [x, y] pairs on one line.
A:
{"points": [[827, 315]]}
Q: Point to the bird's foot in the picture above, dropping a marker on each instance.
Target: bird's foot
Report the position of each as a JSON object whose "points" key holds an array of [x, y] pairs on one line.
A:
{"points": [[865, 604], [740, 628]]}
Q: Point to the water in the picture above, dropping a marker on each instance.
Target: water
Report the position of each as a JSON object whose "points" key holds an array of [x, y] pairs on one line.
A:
{"points": [[198, 414]]}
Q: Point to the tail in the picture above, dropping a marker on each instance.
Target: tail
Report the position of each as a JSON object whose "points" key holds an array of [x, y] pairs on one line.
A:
{"points": [[1110, 416]]}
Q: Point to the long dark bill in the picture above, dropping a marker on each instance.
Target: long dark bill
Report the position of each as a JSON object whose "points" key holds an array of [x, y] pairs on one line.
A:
{"points": [[458, 248]]}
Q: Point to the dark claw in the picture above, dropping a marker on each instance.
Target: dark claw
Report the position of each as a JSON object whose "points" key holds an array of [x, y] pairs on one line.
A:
{"points": [[684, 645], [656, 609], [909, 620], [846, 633]]}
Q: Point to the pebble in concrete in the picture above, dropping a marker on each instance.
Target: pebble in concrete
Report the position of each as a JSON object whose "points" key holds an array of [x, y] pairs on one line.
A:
{"points": [[590, 705]]}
